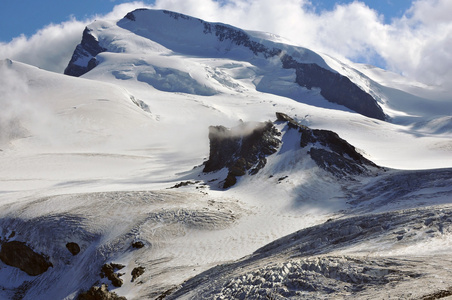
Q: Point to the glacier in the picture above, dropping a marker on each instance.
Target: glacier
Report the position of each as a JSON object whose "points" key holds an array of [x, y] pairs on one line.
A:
{"points": [[352, 201]]}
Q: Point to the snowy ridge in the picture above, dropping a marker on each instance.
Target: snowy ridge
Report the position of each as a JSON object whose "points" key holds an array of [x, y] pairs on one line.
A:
{"points": [[184, 35]]}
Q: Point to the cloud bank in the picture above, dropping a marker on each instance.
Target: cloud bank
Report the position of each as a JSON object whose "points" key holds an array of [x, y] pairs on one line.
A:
{"points": [[51, 47], [416, 45]]}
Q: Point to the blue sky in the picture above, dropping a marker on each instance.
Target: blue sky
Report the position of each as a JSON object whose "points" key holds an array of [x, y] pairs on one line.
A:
{"points": [[27, 16], [388, 8]]}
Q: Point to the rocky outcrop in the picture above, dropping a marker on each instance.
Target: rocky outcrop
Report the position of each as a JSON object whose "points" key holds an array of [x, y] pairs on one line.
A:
{"points": [[329, 151], [137, 244], [19, 255], [244, 149], [240, 38], [84, 58], [109, 271], [241, 149], [74, 248], [137, 272], [334, 87], [99, 293]]}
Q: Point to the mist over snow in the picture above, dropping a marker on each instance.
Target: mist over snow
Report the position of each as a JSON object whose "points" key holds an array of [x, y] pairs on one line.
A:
{"points": [[20, 111], [13, 104]]}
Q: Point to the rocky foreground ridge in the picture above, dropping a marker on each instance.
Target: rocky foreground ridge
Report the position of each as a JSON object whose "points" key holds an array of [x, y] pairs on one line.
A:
{"points": [[244, 149]]}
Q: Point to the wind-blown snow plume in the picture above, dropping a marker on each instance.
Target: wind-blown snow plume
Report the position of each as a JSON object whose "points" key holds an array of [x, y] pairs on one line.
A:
{"points": [[22, 114], [12, 100]]}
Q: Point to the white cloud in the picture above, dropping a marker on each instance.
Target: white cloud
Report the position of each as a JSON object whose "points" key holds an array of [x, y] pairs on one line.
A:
{"points": [[417, 45], [51, 47], [120, 10]]}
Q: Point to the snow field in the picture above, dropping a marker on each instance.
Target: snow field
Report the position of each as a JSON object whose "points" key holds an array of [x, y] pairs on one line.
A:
{"points": [[91, 160]]}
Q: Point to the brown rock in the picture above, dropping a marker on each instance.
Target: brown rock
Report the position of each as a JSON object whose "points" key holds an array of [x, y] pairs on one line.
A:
{"points": [[99, 293], [19, 255], [137, 272], [74, 248]]}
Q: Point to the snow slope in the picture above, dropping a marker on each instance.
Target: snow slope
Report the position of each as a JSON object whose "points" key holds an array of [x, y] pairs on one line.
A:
{"points": [[115, 157]]}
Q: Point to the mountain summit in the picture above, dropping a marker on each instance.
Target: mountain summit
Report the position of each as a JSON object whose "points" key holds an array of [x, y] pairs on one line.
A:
{"points": [[185, 36]]}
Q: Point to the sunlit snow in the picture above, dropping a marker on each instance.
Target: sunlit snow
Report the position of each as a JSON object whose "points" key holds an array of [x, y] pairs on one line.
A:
{"points": [[92, 160]]}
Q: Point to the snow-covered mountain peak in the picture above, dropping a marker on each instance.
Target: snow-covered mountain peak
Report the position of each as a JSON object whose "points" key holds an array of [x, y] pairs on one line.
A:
{"points": [[166, 31], [158, 35], [189, 35]]}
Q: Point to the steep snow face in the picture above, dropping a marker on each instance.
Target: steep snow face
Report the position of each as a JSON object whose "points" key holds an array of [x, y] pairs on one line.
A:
{"points": [[276, 67], [188, 35], [183, 35]]}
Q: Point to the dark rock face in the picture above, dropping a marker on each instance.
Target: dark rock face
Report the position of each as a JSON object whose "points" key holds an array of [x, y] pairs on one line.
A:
{"points": [[85, 51], [74, 248], [99, 293], [137, 272], [138, 244], [241, 149], [108, 270], [240, 38], [19, 255], [335, 163], [334, 87], [329, 151]]}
